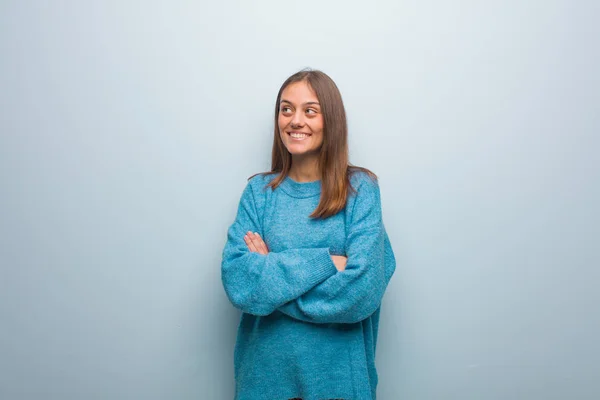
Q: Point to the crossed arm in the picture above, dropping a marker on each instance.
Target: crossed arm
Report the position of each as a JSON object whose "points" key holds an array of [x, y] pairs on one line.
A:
{"points": [[257, 245], [310, 284]]}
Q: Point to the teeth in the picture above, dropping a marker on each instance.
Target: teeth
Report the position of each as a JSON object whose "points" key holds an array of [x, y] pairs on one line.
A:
{"points": [[298, 135]]}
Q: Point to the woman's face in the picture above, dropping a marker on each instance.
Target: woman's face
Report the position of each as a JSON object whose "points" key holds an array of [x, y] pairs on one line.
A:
{"points": [[300, 120]]}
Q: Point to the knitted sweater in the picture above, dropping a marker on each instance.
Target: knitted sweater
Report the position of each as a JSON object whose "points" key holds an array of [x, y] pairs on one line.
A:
{"points": [[307, 330]]}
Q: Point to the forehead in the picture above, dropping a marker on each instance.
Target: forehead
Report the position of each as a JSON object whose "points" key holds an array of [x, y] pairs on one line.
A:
{"points": [[299, 92]]}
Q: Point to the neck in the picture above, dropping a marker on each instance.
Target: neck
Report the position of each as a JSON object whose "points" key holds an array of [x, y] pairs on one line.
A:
{"points": [[304, 169]]}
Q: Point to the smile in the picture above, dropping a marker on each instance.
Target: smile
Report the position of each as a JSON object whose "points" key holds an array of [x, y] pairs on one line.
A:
{"points": [[298, 135]]}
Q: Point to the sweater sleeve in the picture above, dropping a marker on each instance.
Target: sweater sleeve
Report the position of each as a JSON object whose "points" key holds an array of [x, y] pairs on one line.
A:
{"points": [[258, 284], [355, 293]]}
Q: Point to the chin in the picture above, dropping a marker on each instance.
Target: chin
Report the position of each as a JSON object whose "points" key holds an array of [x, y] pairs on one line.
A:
{"points": [[301, 152]]}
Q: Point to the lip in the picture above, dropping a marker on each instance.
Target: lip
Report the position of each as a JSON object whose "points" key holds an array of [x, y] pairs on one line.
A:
{"points": [[289, 133], [304, 133]]}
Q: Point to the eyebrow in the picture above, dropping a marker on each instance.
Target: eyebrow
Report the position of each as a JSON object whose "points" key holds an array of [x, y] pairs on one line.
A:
{"points": [[308, 102]]}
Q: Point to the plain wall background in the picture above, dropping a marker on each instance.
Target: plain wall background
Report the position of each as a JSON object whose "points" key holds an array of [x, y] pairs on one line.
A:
{"points": [[128, 130]]}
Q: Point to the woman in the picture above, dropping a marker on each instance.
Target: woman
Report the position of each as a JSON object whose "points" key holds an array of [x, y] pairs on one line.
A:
{"points": [[307, 258]]}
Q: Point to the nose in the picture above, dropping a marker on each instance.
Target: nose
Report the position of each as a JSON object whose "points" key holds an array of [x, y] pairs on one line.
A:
{"points": [[297, 119]]}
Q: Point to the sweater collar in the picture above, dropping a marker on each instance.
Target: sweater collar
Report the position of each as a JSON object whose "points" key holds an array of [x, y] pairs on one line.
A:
{"points": [[301, 189]]}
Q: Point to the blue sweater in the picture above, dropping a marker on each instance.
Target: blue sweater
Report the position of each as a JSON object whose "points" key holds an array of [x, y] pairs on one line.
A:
{"points": [[307, 330]]}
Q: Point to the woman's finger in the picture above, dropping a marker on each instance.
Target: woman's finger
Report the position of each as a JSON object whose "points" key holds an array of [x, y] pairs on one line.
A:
{"points": [[250, 243], [262, 244], [258, 242]]}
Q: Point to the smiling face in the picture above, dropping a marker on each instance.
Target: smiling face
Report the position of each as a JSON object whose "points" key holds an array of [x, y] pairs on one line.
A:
{"points": [[300, 120]]}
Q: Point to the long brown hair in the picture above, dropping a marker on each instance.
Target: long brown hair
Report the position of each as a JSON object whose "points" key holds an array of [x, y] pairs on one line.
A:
{"points": [[333, 161]]}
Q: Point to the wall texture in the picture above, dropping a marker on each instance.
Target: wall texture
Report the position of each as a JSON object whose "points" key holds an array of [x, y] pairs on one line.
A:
{"points": [[127, 132]]}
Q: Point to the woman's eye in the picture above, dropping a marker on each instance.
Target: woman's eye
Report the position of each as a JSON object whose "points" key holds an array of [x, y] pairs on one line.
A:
{"points": [[311, 110], [285, 109]]}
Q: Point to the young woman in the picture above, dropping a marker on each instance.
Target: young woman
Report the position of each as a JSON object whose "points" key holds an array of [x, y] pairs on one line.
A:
{"points": [[307, 259]]}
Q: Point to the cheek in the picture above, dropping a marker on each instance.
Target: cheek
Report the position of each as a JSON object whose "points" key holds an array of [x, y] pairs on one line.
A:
{"points": [[282, 121], [281, 126], [318, 124]]}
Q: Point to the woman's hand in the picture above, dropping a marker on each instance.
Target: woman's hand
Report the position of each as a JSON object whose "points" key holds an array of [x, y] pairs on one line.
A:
{"points": [[255, 243], [340, 262]]}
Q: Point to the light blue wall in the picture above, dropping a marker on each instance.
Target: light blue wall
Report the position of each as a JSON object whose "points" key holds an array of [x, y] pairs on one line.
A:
{"points": [[128, 130]]}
